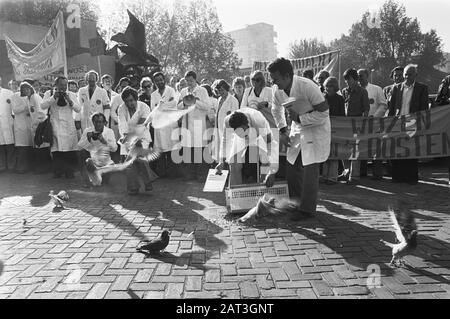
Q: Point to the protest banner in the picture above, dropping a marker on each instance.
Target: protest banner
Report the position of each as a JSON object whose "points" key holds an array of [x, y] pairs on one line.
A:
{"points": [[48, 56], [326, 61], [419, 135]]}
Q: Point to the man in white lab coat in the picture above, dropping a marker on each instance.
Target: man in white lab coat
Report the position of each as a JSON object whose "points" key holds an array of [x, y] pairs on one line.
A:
{"points": [[310, 136], [164, 98], [6, 130], [93, 99], [62, 105], [193, 129]]}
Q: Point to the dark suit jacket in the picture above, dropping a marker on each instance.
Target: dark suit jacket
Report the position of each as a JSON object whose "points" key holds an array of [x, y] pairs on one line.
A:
{"points": [[419, 99]]}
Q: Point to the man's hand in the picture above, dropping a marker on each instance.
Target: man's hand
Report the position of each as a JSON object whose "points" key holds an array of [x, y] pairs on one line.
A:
{"points": [[284, 139], [89, 136], [219, 168], [69, 100], [269, 180], [293, 114]]}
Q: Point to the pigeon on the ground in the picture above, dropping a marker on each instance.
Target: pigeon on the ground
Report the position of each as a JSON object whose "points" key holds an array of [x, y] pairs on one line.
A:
{"points": [[406, 232], [59, 199], [156, 245]]}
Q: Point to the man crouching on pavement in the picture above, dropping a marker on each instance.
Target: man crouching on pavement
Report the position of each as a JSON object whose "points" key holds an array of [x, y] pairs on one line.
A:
{"points": [[247, 133], [98, 142]]}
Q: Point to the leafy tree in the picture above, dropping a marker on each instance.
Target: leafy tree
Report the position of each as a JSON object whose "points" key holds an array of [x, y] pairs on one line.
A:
{"points": [[307, 47]]}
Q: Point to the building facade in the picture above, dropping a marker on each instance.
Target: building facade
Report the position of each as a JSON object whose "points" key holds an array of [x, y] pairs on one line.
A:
{"points": [[255, 42]]}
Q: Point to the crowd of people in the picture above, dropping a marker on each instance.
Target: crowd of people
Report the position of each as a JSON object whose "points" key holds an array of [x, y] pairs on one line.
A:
{"points": [[92, 123]]}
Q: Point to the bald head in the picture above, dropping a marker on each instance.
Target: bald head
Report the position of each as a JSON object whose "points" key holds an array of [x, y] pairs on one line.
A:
{"points": [[410, 74]]}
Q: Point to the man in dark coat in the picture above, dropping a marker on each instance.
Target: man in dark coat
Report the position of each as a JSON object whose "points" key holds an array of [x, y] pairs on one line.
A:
{"points": [[407, 97]]}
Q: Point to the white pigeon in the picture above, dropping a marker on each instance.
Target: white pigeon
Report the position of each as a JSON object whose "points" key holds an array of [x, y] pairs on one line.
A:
{"points": [[406, 232], [136, 152], [59, 199]]}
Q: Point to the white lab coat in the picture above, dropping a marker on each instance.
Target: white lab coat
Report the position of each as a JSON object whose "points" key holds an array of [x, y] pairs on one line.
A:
{"points": [[6, 118], [377, 100], [164, 141], [224, 109], [233, 145], [65, 137], [134, 124], [27, 116], [251, 100], [100, 153], [99, 102], [313, 135], [193, 133]]}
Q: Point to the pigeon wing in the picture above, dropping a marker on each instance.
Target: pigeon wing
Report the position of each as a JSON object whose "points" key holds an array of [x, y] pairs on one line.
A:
{"points": [[397, 229]]}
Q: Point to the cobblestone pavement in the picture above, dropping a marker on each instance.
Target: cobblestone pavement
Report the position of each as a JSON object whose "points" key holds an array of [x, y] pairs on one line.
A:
{"points": [[88, 249]]}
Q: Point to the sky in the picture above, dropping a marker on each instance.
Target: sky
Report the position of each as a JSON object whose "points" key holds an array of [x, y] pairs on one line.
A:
{"points": [[324, 19]]}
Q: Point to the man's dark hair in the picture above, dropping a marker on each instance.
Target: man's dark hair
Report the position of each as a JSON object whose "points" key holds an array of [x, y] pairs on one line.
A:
{"points": [[24, 85], [209, 89], [309, 74], [98, 114], [283, 66], [237, 120], [351, 73], [60, 78], [129, 91], [223, 84], [397, 68], [158, 74], [124, 79], [72, 82], [191, 74]]}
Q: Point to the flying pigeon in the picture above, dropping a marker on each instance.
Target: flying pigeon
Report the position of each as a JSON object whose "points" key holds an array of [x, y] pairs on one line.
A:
{"points": [[156, 245], [406, 232], [60, 199], [136, 152]]}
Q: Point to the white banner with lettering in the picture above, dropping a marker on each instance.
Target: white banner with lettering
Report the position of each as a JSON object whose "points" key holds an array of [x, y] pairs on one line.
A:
{"points": [[48, 56]]}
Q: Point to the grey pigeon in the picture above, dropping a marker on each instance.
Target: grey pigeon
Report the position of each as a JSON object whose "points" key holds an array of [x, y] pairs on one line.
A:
{"points": [[60, 199], [156, 245], [406, 232]]}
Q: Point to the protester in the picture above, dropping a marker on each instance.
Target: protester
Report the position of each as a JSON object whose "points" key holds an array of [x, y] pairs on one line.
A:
{"points": [[165, 141], [7, 157], [323, 75], [407, 97], [107, 85], [227, 105], [81, 83], [443, 98], [397, 77], [73, 86], [193, 134], [132, 116], [310, 136], [239, 88], [37, 88], [61, 105], [93, 99], [259, 97], [211, 119], [146, 91], [378, 108], [25, 104], [97, 143], [173, 82], [337, 108], [247, 125], [357, 104]]}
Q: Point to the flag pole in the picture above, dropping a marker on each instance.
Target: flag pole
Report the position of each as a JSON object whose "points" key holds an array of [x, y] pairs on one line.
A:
{"points": [[64, 44], [339, 68]]}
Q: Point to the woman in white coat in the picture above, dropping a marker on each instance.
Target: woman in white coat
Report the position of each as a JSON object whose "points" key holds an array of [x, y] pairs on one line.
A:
{"points": [[65, 139], [6, 130], [227, 105], [27, 116]]}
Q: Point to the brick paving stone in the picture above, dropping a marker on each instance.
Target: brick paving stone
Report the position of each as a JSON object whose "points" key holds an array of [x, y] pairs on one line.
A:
{"points": [[193, 283], [274, 293], [212, 276], [321, 288], [351, 291], [122, 283], [333, 279], [228, 270], [306, 293], [163, 269], [97, 270], [98, 291], [249, 290]]}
